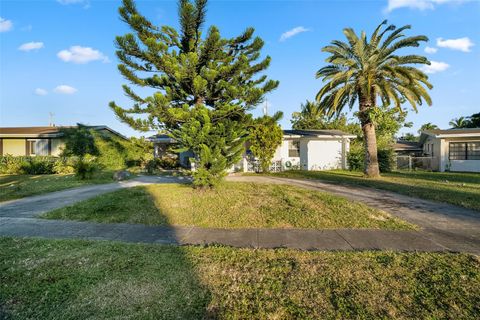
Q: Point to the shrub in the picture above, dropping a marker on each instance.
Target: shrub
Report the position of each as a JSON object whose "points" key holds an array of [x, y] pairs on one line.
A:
{"points": [[27, 165], [11, 165], [355, 159], [64, 165], [386, 159], [85, 167]]}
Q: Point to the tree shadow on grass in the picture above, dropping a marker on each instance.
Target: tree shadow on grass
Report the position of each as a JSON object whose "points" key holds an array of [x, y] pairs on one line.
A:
{"points": [[77, 279]]}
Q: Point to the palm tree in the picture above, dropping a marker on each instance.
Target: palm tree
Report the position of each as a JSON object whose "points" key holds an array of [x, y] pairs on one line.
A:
{"points": [[460, 122], [309, 117], [428, 126], [370, 69]]}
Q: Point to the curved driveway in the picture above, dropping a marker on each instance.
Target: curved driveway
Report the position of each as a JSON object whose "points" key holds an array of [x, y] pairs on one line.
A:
{"points": [[444, 227]]}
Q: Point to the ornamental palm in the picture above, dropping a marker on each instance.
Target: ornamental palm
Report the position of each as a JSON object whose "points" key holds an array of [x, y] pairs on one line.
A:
{"points": [[369, 69], [460, 122]]}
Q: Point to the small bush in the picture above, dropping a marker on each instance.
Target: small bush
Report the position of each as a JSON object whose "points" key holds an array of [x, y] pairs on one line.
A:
{"points": [[64, 165], [85, 167], [27, 165], [386, 159], [11, 165], [355, 159]]}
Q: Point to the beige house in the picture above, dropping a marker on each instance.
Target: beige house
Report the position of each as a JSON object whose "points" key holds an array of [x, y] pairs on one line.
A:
{"points": [[453, 149], [37, 141]]}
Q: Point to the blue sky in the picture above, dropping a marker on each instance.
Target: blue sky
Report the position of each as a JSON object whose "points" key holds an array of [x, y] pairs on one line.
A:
{"points": [[58, 55]]}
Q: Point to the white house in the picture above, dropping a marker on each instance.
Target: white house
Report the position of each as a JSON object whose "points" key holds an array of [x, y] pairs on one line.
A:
{"points": [[302, 149], [453, 149]]}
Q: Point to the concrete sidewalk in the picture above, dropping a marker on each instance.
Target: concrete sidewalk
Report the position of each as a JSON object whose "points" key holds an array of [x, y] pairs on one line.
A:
{"points": [[305, 239]]}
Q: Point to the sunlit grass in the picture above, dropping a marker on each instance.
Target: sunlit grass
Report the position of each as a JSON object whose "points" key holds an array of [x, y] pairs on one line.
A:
{"points": [[232, 205]]}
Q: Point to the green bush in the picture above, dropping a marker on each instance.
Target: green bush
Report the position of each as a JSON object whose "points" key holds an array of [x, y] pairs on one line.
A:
{"points": [[386, 159], [85, 167], [11, 165], [355, 159], [64, 165], [27, 165]]}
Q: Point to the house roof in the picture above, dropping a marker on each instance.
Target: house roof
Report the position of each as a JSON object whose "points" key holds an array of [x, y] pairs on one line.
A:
{"points": [[45, 132], [450, 133], [319, 133], [161, 138], [403, 145]]}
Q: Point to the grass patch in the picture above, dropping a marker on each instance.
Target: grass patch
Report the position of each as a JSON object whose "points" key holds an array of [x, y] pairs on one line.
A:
{"points": [[73, 279], [461, 189], [233, 205], [20, 186]]}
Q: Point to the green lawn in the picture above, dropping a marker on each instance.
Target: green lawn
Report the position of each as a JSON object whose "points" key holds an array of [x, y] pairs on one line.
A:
{"points": [[72, 279], [232, 205], [20, 186], [462, 189]]}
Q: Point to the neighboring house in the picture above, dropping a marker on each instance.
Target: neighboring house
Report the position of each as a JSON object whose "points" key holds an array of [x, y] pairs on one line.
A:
{"points": [[302, 149], [408, 148], [38, 141], [453, 149]]}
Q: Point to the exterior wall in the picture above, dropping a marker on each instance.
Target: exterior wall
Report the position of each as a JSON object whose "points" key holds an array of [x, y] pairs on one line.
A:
{"points": [[14, 147], [281, 154], [433, 148], [457, 165], [325, 154]]}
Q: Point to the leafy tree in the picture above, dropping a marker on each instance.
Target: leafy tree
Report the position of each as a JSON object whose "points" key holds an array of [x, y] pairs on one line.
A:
{"points": [[409, 137], [265, 135], [312, 117], [460, 122], [428, 126], [472, 121], [204, 86], [309, 117], [367, 69]]}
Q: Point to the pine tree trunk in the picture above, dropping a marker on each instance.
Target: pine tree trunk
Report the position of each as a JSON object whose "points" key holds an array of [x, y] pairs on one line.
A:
{"points": [[371, 156]]}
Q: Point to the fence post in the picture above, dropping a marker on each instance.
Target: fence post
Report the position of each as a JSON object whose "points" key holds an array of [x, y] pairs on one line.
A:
{"points": [[410, 162]]}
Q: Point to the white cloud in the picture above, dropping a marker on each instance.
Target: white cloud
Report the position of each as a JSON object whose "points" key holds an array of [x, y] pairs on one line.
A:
{"points": [[435, 66], [64, 89], [5, 25], [462, 44], [293, 32], [417, 4], [78, 54], [29, 46], [41, 92], [430, 50]]}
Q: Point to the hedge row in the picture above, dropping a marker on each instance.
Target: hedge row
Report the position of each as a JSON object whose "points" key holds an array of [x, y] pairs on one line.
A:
{"points": [[35, 165]]}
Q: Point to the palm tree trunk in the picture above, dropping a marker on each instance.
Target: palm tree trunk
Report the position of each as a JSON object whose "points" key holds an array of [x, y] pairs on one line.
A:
{"points": [[368, 127]]}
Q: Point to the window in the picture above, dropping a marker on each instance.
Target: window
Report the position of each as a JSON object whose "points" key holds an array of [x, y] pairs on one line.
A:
{"points": [[293, 148], [464, 151]]}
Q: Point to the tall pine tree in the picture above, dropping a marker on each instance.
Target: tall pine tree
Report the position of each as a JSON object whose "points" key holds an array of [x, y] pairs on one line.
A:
{"points": [[204, 86]]}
